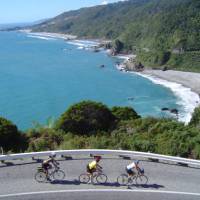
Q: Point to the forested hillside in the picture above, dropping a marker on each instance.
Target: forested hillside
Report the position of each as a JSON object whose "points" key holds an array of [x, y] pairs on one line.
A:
{"points": [[160, 32]]}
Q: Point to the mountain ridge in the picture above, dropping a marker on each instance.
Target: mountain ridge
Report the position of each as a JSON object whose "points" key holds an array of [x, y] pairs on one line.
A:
{"points": [[160, 32]]}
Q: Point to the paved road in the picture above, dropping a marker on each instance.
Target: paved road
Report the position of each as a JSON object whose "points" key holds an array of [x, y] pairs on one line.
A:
{"points": [[162, 177]]}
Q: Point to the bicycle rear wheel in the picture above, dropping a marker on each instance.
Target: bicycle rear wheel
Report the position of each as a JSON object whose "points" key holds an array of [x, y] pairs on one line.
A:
{"points": [[122, 179], [58, 175], [101, 178], [40, 177], [84, 178], [141, 180]]}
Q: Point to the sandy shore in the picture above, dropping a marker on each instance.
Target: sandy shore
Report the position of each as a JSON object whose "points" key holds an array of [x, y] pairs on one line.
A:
{"points": [[52, 35], [56, 35], [187, 79], [185, 85]]}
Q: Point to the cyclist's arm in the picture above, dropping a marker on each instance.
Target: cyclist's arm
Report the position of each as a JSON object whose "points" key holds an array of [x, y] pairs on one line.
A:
{"points": [[54, 162], [99, 167], [138, 168]]}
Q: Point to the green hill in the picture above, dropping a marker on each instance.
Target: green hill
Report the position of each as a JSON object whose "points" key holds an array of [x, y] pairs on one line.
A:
{"points": [[160, 32]]}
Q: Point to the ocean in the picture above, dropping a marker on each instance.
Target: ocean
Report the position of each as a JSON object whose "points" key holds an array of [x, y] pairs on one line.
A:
{"points": [[40, 77]]}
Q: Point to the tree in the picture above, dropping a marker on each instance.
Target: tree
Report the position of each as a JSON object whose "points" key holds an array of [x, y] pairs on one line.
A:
{"points": [[86, 117], [10, 138], [118, 46], [124, 113], [195, 121]]}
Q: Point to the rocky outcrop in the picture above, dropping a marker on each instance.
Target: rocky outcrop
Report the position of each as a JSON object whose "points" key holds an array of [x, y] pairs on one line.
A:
{"points": [[132, 65]]}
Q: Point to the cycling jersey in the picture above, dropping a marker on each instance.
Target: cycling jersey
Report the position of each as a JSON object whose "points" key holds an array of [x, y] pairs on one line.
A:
{"points": [[48, 161], [93, 165]]}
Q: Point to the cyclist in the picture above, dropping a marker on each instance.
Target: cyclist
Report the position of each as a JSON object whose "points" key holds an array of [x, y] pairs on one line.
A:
{"points": [[130, 169], [94, 166], [49, 163]]}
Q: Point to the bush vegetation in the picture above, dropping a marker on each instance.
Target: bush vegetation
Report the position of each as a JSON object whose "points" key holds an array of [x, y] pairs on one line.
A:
{"points": [[10, 138], [131, 132], [86, 117]]}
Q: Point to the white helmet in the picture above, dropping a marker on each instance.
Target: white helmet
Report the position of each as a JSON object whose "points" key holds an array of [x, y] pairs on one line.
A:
{"points": [[53, 155]]}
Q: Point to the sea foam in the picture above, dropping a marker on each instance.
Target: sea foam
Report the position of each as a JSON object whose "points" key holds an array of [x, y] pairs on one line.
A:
{"points": [[187, 99], [41, 37], [83, 44]]}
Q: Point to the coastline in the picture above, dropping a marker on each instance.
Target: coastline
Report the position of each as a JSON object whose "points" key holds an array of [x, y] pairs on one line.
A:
{"points": [[50, 35], [183, 84], [187, 79]]}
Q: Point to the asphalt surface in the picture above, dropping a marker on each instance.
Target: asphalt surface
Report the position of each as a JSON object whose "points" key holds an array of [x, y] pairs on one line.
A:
{"points": [[179, 182], [108, 195]]}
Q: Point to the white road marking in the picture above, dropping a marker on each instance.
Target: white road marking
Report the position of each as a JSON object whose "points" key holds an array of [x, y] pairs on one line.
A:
{"points": [[99, 190]]}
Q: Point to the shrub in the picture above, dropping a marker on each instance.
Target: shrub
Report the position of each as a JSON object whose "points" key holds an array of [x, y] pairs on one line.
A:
{"points": [[124, 113], [10, 138], [86, 117], [44, 139], [195, 121]]}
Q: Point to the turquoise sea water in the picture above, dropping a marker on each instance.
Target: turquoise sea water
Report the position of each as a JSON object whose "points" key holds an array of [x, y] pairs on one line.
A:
{"points": [[40, 78]]}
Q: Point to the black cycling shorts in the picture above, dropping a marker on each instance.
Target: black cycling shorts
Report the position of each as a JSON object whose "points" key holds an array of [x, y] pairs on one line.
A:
{"points": [[129, 171], [46, 166]]}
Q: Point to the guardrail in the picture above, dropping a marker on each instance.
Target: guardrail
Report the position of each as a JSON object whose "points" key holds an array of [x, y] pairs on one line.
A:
{"points": [[131, 154]]}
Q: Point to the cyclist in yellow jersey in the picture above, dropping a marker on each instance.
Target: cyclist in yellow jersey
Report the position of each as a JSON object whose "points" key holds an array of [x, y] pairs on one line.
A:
{"points": [[93, 166]]}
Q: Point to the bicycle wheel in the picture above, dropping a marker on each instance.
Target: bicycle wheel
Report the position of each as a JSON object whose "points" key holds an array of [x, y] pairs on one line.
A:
{"points": [[84, 178], [40, 177], [101, 178], [122, 179], [141, 180], [58, 175]]}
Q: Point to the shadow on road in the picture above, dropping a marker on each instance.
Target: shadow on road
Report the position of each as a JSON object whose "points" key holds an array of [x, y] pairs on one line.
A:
{"points": [[153, 186], [65, 182], [109, 184], [76, 182]]}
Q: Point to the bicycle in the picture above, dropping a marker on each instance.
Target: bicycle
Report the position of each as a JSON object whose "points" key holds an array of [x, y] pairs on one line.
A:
{"points": [[139, 178], [97, 176], [56, 174]]}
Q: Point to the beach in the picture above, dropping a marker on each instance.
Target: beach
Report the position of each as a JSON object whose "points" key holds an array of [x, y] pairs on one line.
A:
{"points": [[185, 85], [187, 79], [51, 35]]}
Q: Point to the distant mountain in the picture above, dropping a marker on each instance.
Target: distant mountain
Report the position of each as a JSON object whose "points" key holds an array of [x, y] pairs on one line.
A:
{"points": [[161, 32], [11, 26]]}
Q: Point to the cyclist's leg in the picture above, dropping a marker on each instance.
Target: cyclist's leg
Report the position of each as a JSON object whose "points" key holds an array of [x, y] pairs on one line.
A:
{"points": [[130, 173], [89, 171], [46, 169]]}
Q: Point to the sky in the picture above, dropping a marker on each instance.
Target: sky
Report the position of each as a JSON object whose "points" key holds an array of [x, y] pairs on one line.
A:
{"points": [[16, 11]]}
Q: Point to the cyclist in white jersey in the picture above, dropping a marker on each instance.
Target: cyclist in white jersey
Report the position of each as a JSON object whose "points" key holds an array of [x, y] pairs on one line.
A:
{"points": [[131, 167]]}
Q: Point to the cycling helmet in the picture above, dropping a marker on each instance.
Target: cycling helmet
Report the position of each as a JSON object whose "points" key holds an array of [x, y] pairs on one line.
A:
{"points": [[97, 158], [53, 155], [136, 162]]}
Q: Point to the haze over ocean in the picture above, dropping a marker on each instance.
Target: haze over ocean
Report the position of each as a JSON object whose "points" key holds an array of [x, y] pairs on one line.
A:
{"points": [[42, 77]]}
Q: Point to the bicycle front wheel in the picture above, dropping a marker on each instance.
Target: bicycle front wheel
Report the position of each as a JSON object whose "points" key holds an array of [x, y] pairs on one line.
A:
{"points": [[122, 179], [59, 175], [101, 178], [141, 180], [84, 178], [40, 177]]}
